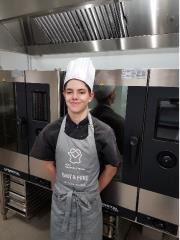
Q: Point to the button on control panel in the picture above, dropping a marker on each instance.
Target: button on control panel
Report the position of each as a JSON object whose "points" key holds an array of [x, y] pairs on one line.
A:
{"points": [[166, 159]]}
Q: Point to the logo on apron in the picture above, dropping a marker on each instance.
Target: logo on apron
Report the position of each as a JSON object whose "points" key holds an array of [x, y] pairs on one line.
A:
{"points": [[75, 155]]}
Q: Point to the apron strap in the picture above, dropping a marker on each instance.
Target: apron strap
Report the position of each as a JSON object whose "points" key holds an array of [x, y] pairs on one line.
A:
{"points": [[80, 202]]}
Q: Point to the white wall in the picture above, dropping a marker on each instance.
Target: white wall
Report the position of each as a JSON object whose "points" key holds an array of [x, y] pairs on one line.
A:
{"points": [[161, 58], [13, 60]]}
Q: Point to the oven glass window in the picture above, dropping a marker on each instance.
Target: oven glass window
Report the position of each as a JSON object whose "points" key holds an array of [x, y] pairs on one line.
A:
{"points": [[167, 122], [8, 125], [40, 106], [110, 107]]}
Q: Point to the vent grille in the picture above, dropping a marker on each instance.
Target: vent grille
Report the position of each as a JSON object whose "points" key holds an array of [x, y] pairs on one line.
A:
{"points": [[96, 23]]}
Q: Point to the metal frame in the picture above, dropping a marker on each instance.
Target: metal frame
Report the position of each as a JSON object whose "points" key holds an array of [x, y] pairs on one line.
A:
{"points": [[130, 43]]}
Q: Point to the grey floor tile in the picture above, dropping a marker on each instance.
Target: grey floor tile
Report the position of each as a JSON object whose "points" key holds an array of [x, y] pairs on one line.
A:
{"points": [[37, 228]]}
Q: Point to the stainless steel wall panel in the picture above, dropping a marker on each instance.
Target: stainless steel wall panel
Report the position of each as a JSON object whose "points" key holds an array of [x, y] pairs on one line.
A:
{"points": [[159, 206], [164, 78]]}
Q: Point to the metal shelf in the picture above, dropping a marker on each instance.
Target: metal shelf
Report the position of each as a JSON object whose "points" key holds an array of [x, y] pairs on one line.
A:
{"points": [[21, 196]]}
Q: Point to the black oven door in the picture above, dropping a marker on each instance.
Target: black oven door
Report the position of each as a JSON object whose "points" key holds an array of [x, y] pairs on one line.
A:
{"points": [[13, 124], [123, 111]]}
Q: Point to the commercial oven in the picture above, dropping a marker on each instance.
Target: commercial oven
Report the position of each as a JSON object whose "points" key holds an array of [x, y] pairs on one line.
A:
{"points": [[28, 102], [145, 188], [13, 124], [158, 204]]}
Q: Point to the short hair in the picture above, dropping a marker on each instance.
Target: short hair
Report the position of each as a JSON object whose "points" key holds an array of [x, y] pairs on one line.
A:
{"points": [[89, 90]]}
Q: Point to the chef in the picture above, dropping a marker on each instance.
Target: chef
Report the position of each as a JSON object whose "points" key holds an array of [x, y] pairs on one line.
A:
{"points": [[81, 155], [105, 94]]}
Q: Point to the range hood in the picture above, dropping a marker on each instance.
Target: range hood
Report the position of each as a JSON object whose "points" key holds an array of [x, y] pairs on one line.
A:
{"points": [[76, 26]]}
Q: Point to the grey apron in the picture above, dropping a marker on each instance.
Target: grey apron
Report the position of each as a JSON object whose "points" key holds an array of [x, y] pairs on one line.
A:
{"points": [[76, 212]]}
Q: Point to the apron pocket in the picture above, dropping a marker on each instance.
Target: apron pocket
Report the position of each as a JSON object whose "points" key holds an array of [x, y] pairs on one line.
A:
{"points": [[95, 205], [57, 212], [59, 203]]}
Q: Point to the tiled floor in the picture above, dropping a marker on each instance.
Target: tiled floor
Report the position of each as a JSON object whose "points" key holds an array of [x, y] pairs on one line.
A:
{"points": [[37, 228], [18, 228]]}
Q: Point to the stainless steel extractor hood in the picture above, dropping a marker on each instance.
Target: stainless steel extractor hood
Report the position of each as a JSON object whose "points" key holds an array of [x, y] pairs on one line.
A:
{"points": [[80, 26]]}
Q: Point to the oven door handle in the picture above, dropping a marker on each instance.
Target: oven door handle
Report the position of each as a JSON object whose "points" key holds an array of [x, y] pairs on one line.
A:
{"points": [[133, 149], [22, 126]]}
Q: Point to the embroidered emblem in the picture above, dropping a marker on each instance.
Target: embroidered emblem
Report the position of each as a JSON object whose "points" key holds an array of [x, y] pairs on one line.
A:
{"points": [[75, 155]]}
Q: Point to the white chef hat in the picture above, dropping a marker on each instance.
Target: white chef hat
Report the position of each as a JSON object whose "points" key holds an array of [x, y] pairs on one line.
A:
{"points": [[81, 69]]}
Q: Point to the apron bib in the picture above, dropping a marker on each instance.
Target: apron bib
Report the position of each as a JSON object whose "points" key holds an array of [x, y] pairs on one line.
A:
{"points": [[76, 212]]}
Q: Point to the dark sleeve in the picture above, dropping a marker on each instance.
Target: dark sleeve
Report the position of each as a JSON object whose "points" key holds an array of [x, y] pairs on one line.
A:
{"points": [[45, 143], [106, 144], [110, 152]]}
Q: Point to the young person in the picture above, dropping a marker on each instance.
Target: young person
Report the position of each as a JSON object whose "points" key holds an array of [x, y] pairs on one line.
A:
{"points": [[105, 96], [81, 155]]}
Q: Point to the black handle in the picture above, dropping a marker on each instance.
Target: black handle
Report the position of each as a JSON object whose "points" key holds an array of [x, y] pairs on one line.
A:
{"points": [[22, 125], [133, 148]]}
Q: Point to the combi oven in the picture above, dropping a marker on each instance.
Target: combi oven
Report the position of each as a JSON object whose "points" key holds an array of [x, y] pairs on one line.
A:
{"points": [[145, 188], [28, 102]]}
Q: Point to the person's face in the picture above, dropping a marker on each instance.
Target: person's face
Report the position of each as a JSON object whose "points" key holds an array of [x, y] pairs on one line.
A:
{"points": [[77, 96]]}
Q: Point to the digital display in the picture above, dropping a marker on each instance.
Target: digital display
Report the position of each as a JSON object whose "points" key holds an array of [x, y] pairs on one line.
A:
{"points": [[167, 122]]}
